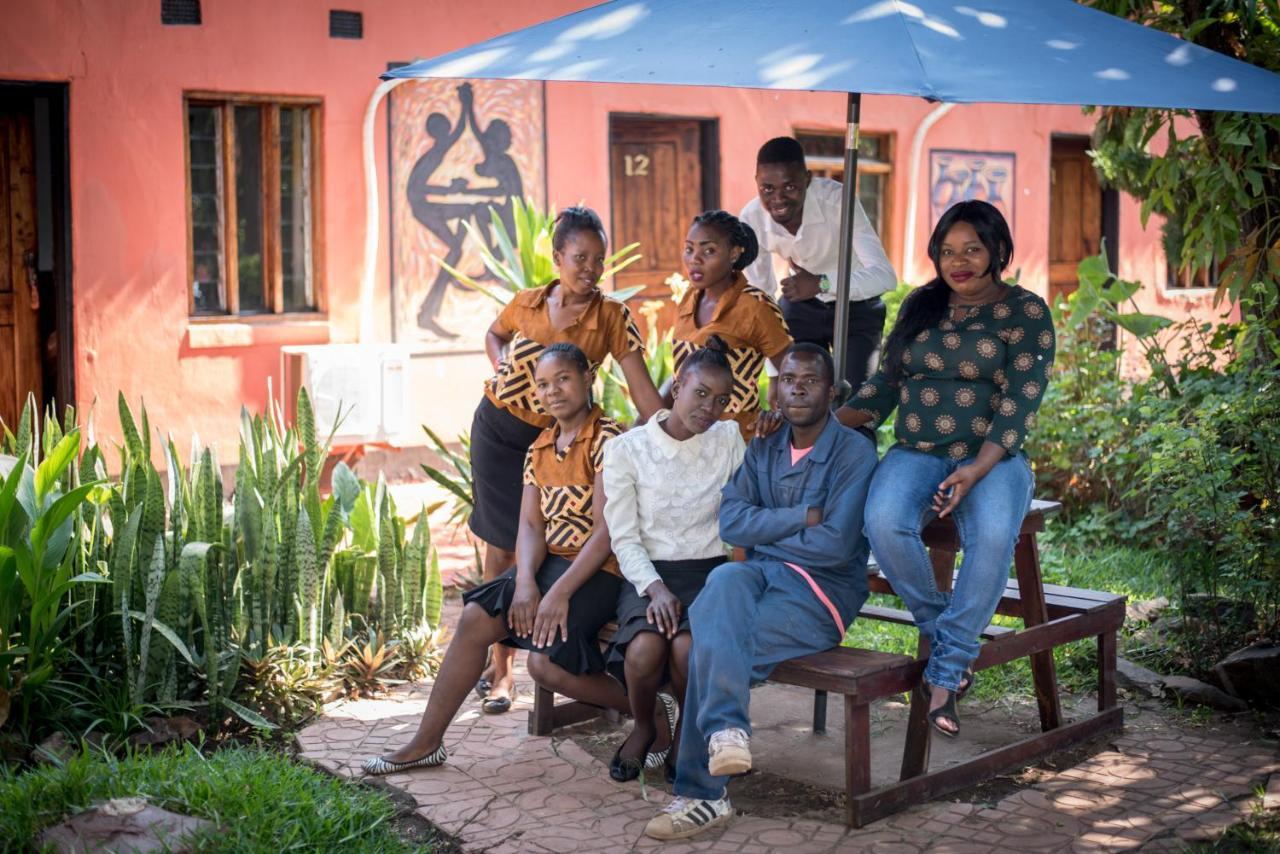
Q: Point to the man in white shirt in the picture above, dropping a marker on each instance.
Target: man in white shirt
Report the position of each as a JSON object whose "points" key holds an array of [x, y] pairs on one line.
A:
{"points": [[796, 218]]}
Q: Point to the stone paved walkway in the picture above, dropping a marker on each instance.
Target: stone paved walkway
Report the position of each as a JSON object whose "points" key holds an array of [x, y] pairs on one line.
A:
{"points": [[1159, 786]]}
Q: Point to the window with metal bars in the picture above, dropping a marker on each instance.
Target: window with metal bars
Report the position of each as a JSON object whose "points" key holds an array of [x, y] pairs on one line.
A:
{"points": [[252, 205], [824, 156]]}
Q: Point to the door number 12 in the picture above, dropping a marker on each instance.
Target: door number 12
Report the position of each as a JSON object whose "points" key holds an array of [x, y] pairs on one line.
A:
{"points": [[635, 164]]}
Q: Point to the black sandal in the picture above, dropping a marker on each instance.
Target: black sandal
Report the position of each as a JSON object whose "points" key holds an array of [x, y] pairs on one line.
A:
{"points": [[483, 687], [947, 710], [625, 770], [966, 682]]}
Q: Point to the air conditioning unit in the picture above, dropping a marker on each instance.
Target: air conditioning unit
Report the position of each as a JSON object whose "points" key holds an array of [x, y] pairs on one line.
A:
{"points": [[365, 383]]}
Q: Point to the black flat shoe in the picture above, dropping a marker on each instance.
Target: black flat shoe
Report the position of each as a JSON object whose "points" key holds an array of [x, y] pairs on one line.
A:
{"points": [[625, 770], [495, 705], [483, 687]]}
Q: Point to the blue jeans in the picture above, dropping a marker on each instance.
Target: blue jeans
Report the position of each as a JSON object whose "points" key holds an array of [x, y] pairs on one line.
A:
{"points": [[749, 618], [900, 504]]}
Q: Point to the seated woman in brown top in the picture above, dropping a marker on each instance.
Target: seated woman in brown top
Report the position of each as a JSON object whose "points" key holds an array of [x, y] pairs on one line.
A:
{"points": [[565, 583], [965, 366], [719, 302], [510, 416]]}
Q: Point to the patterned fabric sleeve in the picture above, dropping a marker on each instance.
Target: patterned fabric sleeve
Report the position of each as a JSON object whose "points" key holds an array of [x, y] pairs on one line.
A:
{"points": [[625, 338], [607, 429], [1029, 353], [770, 328], [527, 478], [876, 397]]}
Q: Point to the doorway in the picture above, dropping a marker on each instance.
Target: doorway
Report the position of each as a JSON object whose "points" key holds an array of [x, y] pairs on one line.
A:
{"points": [[35, 252], [1081, 214], [663, 173]]}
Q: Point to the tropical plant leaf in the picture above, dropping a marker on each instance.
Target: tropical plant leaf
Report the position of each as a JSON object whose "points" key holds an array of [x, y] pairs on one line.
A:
{"points": [[248, 715], [168, 634]]}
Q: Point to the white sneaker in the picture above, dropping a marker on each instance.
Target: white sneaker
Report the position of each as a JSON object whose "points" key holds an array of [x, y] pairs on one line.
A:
{"points": [[729, 752], [685, 817]]}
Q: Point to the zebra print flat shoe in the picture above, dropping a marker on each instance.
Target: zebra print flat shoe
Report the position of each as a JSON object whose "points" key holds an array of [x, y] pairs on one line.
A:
{"points": [[379, 765], [657, 759]]}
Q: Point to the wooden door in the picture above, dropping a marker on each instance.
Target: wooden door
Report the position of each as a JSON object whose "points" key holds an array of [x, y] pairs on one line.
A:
{"points": [[19, 301], [656, 179], [1075, 214]]}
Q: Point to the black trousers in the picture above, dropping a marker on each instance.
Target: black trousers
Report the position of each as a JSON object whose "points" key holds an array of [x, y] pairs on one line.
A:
{"points": [[814, 321]]}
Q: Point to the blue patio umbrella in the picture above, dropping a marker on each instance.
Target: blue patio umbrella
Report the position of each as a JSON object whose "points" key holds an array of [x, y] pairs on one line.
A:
{"points": [[994, 51]]}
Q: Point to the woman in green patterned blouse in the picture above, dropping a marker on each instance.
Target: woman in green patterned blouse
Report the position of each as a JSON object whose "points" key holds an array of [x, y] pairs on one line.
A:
{"points": [[965, 366]]}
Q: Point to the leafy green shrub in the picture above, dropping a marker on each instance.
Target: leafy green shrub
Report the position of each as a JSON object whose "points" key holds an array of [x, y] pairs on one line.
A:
{"points": [[1184, 460], [154, 589], [1210, 478]]}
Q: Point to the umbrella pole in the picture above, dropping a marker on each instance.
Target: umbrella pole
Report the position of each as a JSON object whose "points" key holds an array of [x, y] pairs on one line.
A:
{"points": [[840, 336]]}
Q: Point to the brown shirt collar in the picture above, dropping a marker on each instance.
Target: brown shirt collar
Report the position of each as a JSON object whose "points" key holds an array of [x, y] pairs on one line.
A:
{"points": [[589, 317], [585, 434], [689, 305]]}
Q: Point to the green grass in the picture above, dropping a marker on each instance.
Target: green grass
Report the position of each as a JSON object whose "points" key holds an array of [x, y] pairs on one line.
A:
{"points": [[259, 801], [1136, 573]]}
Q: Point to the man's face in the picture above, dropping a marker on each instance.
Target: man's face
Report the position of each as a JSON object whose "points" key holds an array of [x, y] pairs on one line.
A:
{"points": [[805, 392], [781, 187]]}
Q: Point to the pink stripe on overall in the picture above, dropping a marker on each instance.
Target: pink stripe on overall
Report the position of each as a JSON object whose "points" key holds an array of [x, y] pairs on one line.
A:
{"points": [[797, 454]]}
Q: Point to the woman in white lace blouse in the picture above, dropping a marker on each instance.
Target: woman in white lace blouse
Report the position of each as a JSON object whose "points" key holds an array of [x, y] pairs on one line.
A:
{"points": [[662, 482]]}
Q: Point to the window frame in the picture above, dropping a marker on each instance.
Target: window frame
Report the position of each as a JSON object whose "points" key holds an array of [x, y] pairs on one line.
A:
{"points": [[884, 166], [273, 271], [1180, 281]]}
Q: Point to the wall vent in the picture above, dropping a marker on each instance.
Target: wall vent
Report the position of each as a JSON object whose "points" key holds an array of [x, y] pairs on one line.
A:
{"points": [[346, 25], [180, 12]]}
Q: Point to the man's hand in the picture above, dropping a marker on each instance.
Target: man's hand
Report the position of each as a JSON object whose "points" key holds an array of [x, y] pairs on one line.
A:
{"points": [[813, 517], [801, 284], [664, 609]]}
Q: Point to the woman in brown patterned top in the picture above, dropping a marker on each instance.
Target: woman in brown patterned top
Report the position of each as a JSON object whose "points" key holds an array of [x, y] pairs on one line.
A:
{"points": [[565, 584], [720, 303], [510, 417], [965, 366]]}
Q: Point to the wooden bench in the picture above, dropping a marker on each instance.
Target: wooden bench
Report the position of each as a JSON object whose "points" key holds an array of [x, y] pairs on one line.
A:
{"points": [[1051, 616]]}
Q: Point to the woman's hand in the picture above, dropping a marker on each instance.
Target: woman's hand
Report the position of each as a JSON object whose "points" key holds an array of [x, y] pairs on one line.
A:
{"points": [[766, 424], [552, 619], [953, 490], [664, 609], [853, 418], [524, 607]]}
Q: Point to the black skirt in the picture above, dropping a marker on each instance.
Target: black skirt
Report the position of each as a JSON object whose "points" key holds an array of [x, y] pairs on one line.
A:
{"points": [[684, 578], [499, 442], [590, 607]]}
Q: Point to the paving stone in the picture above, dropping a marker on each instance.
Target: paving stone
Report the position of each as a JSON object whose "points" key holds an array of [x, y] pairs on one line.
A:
{"points": [[504, 791]]}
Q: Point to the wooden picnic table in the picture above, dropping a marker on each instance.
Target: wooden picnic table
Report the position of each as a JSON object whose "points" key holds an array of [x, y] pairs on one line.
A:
{"points": [[1051, 616]]}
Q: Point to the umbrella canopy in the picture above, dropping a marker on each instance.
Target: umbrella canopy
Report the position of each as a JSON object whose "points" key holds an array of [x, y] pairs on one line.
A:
{"points": [[995, 51]]}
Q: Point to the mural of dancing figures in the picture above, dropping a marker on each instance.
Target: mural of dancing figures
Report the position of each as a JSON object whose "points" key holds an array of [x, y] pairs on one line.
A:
{"points": [[457, 150], [958, 176]]}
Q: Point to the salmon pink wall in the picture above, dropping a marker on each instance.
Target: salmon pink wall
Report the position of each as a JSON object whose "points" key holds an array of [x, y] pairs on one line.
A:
{"points": [[578, 167], [127, 75]]}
